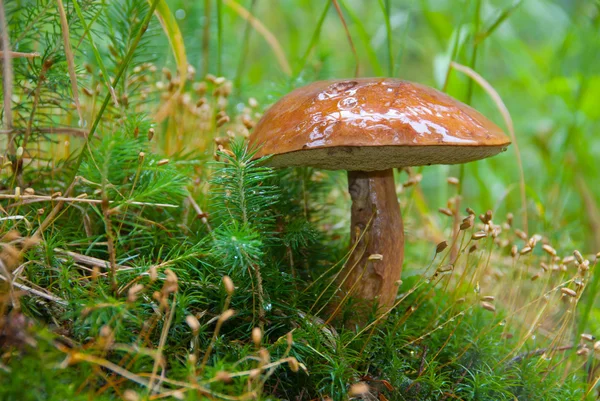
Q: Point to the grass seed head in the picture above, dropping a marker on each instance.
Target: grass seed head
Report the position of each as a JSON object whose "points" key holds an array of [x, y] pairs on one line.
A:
{"points": [[199, 88], [133, 292], [488, 306], [578, 256], [247, 121], [526, 250], [568, 291], [228, 284], [588, 337], [228, 314], [170, 284], [521, 234], [193, 322], [167, 73], [446, 211], [584, 266], [293, 364], [256, 336], [264, 355], [223, 376], [453, 181], [446, 269], [441, 246], [478, 235], [130, 395], [549, 250], [358, 389], [153, 273]]}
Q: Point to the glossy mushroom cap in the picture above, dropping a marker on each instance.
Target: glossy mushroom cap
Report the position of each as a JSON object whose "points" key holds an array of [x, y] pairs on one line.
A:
{"points": [[372, 124]]}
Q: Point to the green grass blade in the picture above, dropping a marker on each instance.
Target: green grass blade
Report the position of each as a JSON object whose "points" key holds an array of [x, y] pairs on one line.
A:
{"points": [[219, 37], [314, 39], [385, 8], [173, 33], [501, 18]]}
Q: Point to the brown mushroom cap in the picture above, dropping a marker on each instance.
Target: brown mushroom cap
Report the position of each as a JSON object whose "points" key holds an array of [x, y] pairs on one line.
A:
{"points": [[373, 124]]}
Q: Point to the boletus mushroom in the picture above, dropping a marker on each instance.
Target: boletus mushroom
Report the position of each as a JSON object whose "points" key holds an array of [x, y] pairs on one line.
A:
{"points": [[369, 126]]}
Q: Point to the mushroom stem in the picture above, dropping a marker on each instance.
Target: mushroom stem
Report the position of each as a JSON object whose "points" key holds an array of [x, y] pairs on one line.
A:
{"points": [[374, 268]]}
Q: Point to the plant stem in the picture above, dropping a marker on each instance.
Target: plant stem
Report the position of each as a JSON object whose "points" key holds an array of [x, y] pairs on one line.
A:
{"points": [[261, 297], [110, 240]]}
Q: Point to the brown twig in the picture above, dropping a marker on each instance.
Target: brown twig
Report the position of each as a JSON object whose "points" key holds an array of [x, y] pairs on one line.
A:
{"points": [[261, 297], [161, 344], [199, 212], [84, 259], [20, 54], [47, 198], [82, 133], [33, 291], [112, 257], [538, 352]]}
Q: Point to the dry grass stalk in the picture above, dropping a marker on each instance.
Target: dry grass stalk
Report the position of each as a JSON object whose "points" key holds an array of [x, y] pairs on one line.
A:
{"points": [[27, 199], [508, 120], [264, 32]]}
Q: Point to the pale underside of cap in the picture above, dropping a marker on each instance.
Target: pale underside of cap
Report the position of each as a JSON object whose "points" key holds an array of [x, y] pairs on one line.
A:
{"points": [[373, 124], [373, 158]]}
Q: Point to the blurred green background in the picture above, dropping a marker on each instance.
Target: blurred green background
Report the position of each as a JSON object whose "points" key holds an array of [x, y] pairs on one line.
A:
{"points": [[542, 57]]}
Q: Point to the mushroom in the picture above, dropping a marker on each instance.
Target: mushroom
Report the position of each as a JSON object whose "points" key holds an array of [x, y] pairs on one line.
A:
{"points": [[369, 126]]}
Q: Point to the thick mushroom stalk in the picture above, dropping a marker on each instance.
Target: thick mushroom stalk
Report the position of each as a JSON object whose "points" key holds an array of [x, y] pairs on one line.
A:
{"points": [[373, 269]]}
